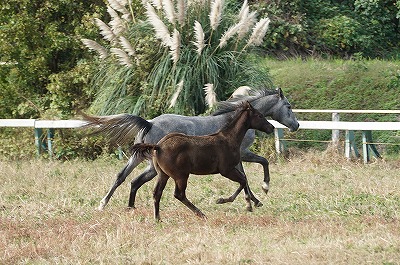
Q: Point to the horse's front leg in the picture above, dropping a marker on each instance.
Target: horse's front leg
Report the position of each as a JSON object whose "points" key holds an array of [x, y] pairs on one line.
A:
{"points": [[231, 198], [238, 176], [248, 156]]}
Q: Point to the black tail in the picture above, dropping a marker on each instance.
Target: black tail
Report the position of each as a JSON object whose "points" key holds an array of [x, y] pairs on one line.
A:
{"points": [[120, 129], [143, 150]]}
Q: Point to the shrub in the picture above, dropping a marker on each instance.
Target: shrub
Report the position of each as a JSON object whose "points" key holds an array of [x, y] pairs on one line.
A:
{"points": [[188, 45]]}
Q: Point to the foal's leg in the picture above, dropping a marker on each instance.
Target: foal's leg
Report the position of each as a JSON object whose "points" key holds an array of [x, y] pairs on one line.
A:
{"points": [[257, 203], [121, 176], [237, 176], [248, 156], [148, 174], [180, 194], [158, 190]]}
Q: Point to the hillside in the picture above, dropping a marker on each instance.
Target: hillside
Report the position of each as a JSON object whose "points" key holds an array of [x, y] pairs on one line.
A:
{"points": [[340, 84]]}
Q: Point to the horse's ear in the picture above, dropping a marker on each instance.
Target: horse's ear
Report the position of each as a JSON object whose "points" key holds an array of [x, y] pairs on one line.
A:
{"points": [[248, 105], [280, 93]]}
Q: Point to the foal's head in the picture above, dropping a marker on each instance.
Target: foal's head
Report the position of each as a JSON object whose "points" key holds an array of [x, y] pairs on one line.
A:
{"points": [[257, 120]]}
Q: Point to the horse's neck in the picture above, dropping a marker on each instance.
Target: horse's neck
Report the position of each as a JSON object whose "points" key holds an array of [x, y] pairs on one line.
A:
{"points": [[266, 104], [237, 129]]}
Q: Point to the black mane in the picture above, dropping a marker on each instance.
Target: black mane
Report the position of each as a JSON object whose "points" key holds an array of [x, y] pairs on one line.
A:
{"points": [[232, 104]]}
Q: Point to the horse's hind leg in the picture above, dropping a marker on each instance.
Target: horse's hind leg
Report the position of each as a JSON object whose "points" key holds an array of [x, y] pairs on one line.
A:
{"points": [[137, 182], [121, 176], [158, 190], [257, 203], [180, 194]]}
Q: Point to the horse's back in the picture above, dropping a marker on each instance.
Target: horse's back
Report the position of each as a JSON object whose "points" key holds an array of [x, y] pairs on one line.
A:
{"points": [[190, 125]]}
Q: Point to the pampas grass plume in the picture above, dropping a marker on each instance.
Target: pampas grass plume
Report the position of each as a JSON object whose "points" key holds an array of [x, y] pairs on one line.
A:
{"points": [[216, 13], [199, 35], [169, 10], [123, 58], [259, 31], [92, 45], [175, 45], [119, 5], [157, 4], [162, 32], [247, 22], [176, 94], [181, 7], [211, 97], [127, 45], [116, 23], [228, 34], [105, 30]]}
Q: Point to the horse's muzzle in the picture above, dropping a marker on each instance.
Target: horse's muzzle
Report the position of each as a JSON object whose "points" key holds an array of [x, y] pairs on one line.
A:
{"points": [[294, 127]]}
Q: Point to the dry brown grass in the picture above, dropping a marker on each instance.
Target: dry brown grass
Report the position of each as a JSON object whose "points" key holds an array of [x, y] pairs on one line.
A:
{"points": [[317, 212]]}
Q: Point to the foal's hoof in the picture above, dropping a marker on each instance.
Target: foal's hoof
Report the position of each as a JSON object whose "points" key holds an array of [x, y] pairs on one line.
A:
{"points": [[201, 215], [258, 204], [221, 201]]}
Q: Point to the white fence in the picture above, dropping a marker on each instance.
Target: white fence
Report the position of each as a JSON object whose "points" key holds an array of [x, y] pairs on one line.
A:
{"points": [[335, 125]]}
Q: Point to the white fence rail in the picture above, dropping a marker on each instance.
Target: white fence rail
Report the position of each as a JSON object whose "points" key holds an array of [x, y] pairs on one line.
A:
{"points": [[335, 125]]}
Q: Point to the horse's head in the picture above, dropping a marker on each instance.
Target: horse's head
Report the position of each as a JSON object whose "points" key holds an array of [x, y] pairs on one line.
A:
{"points": [[282, 112], [257, 120]]}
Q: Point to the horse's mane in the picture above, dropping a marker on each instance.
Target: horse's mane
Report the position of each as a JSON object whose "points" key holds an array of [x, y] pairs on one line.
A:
{"points": [[233, 103]]}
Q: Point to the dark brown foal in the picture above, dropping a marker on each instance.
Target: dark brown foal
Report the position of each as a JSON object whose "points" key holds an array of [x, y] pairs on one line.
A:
{"points": [[177, 155]]}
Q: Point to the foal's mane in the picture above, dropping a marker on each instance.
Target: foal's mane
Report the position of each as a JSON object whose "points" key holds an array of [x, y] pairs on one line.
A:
{"points": [[232, 104], [239, 108]]}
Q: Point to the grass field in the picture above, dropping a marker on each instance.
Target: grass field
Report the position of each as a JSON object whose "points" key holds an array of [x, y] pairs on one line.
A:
{"points": [[321, 209]]}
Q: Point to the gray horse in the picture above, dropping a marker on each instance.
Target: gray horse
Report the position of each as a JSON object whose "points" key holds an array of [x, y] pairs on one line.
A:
{"points": [[123, 128]]}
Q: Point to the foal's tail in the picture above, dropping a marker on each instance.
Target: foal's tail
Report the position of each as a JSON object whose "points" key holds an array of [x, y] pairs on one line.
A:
{"points": [[120, 129], [143, 150]]}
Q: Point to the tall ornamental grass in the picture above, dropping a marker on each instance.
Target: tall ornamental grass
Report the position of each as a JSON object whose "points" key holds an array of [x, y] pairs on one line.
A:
{"points": [[176, 56]]}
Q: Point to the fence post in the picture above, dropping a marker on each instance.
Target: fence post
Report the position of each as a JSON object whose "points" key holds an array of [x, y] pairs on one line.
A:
{"points": [[335, 133], [40, 145], [279, 142], [368, 146], [350, 143], [50, 137]]}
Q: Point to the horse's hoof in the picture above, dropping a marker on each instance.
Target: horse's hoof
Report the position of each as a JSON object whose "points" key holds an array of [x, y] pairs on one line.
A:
{"points": [[265, 187], [203, 216], [249, 208], [221, 201], [258, 204]]}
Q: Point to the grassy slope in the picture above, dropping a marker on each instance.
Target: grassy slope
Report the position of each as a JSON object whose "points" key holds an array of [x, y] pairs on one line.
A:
{"points": [[338, 84], [317, 212]]}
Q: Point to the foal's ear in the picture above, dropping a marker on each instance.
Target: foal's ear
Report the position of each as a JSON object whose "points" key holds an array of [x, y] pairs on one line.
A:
{"points": [[280, 93], [248, 105]]}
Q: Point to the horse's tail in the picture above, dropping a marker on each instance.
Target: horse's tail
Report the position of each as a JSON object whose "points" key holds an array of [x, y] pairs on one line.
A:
{"points": [[120, 129], [143, 150]]}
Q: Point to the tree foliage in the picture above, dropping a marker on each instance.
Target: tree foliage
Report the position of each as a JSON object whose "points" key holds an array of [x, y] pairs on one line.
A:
{"points": [[337, 28], [40, 51]]}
